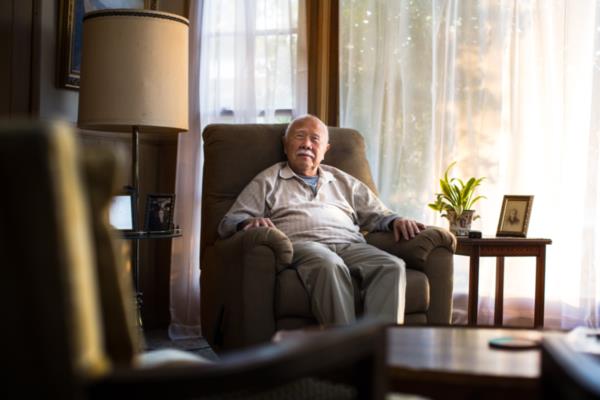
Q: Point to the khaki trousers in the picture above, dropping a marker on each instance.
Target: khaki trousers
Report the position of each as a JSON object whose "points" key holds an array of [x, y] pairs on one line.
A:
{"points": [[326, 270]]}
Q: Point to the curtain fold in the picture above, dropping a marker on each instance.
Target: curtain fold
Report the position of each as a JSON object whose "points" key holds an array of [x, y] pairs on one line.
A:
{"points": [[185, 251], [509, 89]]}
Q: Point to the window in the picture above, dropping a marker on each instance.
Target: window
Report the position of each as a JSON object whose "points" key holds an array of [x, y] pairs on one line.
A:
{"points": [[249, 60]]}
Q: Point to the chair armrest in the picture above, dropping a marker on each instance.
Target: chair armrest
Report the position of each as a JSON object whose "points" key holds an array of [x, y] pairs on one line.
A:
{"points": [[566, 371], [250, 260], [416, 251], [273, 239], [355, 353]]}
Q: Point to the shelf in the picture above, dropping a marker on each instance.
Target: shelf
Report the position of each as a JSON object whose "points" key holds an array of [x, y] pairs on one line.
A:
{"points": [[139, 235]]}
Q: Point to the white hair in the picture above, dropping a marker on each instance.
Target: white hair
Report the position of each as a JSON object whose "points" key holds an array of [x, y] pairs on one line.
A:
{"points": [[302, 118]]}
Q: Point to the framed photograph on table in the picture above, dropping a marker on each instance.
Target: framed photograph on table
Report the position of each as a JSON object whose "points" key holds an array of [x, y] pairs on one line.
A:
{"points": [[514, 216], [159, 212], [68, 56], [122, 213]]}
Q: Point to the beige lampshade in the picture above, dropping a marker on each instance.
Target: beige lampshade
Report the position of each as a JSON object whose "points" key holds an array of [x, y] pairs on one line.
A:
{"points": [[134, 71]]}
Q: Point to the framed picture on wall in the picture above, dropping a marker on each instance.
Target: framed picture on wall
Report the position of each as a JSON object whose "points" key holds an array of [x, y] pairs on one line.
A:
{"points": [[514, 216], [70, 20]]}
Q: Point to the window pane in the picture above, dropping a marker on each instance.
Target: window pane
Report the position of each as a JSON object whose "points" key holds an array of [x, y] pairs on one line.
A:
{"points": [[249, 59]]}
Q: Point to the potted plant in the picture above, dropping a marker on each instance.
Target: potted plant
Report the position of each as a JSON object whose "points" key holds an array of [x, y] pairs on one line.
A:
{"points": [[456, 200]]}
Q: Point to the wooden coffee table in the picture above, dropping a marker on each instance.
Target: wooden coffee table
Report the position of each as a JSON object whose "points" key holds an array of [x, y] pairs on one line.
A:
{"points": [[457, 363]]}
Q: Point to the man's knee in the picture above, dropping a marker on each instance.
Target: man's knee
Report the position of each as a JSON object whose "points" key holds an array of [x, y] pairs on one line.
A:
{"points": [[319, 266], [396, 263], [392, 263], [315, 256], [329, 266]]}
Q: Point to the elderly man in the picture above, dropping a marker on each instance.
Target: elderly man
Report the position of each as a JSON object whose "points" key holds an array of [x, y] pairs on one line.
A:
{"points": [[323, 211]]}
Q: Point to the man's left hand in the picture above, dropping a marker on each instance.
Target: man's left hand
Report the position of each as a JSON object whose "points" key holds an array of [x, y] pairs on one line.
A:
{"points": [[406, 228]]}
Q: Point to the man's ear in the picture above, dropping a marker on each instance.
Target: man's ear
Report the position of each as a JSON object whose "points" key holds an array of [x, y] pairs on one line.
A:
{"points": [[327, 148]]}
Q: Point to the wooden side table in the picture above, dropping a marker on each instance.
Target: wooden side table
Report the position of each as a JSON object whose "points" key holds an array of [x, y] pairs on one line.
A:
{"points": [[501, 247]]}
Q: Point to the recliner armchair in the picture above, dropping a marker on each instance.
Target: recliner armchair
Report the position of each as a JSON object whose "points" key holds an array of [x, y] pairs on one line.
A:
{"points": [[248, 290]]}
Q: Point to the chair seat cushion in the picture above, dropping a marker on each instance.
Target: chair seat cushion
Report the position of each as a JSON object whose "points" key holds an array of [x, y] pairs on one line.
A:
{"points": [[417, 292], [291, 298], [168, 357]]}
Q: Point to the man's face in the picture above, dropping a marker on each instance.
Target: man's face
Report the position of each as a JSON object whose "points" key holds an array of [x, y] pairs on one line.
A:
{"points": [[306, 145]]}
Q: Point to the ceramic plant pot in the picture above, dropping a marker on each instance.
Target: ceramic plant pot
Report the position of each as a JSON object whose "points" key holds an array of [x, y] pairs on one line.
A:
{"points": [[460, 225]]}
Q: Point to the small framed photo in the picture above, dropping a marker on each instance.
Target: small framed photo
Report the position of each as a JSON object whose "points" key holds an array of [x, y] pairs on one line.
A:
{"points": [[121, 213], [514, 215], [159, 212]]}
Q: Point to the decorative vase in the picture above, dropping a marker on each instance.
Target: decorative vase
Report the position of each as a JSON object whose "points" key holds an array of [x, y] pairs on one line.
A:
{"points": [[460, 225]]}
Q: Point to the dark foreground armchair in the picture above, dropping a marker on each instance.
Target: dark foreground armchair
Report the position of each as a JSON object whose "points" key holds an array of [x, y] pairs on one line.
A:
{"points": [[567, 373], [68, 319], [248, 290]]}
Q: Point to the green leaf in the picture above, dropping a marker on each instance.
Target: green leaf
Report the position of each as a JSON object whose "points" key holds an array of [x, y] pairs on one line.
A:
{"points": [[445, 187], [456, 194], [475, 200], [448, 169]]}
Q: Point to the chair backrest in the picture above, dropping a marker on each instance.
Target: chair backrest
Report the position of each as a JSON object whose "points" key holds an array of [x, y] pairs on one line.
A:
{"points": [[234, 154], [54, 316], [567, 373]]}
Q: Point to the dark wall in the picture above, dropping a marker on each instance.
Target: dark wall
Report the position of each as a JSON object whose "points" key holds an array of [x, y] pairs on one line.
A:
{"points": [[28, 87], [16, 33]]}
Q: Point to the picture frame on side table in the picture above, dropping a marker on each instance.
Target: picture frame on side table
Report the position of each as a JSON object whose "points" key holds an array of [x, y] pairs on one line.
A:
{"points": [[514, 215], [122, 212], [69, 41], [159, 212]]}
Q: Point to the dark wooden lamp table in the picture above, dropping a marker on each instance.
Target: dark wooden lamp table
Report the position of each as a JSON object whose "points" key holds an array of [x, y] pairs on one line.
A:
{"points": [[501, 247]]}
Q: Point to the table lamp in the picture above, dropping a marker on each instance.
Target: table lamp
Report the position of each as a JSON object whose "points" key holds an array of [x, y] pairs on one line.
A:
{"points": [[134, 76]]}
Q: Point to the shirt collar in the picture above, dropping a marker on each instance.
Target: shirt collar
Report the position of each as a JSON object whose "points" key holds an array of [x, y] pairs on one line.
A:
{"points": [[287, 173]]}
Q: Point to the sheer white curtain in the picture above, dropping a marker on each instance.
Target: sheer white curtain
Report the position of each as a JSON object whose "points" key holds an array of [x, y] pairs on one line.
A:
{"points": [[185, 251], [509, 89], [247, 64], [252, 69]]}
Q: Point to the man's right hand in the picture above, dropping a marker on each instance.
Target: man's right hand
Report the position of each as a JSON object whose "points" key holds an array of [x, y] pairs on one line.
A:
{"points": [[257, 222]]}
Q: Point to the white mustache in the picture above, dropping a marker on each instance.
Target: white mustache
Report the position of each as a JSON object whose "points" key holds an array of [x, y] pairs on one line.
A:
{"points": [[303, 152]]}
